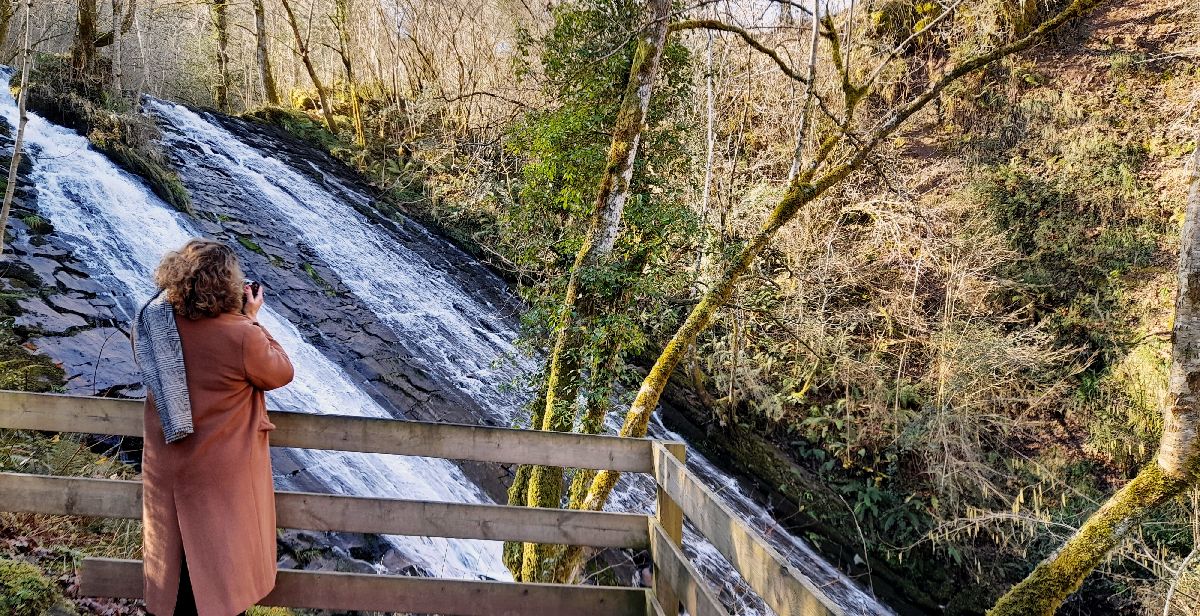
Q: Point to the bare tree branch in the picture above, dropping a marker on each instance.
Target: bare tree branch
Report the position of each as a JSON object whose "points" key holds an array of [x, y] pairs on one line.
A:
{"points": [[714, 24]]}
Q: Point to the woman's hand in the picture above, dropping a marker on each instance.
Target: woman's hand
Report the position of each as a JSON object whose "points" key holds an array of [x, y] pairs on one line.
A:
{"points": [[252, 301]]}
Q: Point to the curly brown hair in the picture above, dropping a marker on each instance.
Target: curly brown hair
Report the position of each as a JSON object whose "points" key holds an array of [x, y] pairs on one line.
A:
{"points": [[202, 279]]}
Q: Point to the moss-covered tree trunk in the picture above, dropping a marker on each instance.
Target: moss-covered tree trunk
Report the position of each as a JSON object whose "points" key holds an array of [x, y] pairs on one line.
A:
{"points": [[817, 178], [220, 18], [22, 120], [1174, 468], [302, 49], [544, 486], [8, 9], [83, 49], [261, 54], [514, 550]]}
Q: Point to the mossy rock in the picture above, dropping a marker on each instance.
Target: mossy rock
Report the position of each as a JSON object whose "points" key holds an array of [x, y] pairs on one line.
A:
{"points": [[114, 137], [251, 245], [24, 591], [22, 370], [299, 124], [37, 224], [128, 139], [259, 610]]}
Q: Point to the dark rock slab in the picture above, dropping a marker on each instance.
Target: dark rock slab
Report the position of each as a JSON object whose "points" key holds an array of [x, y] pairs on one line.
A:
{"points": [[88, 309], [95, 360], [19, 275], [42, 266], [36, 314], [328, 551], [50, 250], [207, 226], [72, 282]]}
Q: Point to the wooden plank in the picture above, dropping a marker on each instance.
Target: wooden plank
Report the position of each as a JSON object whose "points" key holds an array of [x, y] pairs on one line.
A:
{"points": [[100, 498], [780, 585], [652, 606], [62, 413], [670, 516], [101, 577], [460, 521], [672, 567], [111, 498]]}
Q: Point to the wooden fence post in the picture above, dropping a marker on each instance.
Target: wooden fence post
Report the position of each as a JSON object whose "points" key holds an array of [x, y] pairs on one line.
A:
{"points": [[670, 516]]}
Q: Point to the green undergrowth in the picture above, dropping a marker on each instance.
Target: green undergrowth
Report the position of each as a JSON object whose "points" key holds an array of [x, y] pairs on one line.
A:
{"points": [[24, 591], [298, 124], [40, 553]]}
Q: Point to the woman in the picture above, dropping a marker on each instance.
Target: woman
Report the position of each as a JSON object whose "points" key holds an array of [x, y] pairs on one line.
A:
{"points": [[208, 500]]}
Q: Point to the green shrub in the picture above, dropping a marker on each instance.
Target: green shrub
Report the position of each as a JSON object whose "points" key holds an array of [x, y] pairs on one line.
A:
{"points": [[37, 224], [24, 591]]}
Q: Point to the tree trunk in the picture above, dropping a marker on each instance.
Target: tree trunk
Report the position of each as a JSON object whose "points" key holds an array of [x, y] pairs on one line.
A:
{"points": [[602, 376], [804, 189], [302, 49], [261, 55], [517, 492], [220, 17], [127, 21], [809, 91], [83, 50], [1174, 469], [118, 53], [562, 383], [8, 8], [10, 187], [341, 19]]}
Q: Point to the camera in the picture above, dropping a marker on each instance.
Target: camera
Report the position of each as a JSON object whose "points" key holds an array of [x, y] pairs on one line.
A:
{"points": [[254, 286]]}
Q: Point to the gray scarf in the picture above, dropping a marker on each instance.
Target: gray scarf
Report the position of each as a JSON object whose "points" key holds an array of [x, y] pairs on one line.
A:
{"points": [[159, 354]]}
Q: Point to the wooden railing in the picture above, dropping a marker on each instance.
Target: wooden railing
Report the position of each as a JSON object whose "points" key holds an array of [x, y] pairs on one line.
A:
{"points": [[680, 495]]}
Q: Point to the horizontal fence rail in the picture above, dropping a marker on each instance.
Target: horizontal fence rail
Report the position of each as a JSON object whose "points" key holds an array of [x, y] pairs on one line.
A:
{"points": [[388, 593], [680, 494], [114, 498], [779, 584], [119, 417]]}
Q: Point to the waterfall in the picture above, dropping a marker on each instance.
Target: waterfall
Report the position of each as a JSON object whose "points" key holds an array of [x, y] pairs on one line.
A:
{"points": [[121, 230], [458, 333]]}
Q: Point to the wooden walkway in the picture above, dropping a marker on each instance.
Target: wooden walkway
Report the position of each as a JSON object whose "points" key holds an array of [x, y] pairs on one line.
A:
{"points": [[680, 495]]}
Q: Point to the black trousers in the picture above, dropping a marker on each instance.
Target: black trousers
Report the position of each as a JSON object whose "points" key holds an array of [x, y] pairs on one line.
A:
{"points": [[185, 601]]}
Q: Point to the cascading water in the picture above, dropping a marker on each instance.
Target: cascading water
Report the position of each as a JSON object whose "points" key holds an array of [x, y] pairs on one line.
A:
{"points": [[121, 230], [457, 332]]}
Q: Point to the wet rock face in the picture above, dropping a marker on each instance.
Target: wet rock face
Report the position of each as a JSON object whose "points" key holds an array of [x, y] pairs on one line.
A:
{"points": [[346, 552], [66, 314], [97, 362], [311, 295], [60, 311], [36, 314]]}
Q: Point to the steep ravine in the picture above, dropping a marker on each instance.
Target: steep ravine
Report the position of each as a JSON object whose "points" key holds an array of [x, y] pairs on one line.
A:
{"points": [[417, 327]]}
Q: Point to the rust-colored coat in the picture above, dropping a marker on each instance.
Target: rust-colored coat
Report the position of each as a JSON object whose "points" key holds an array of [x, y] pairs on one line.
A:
{"points": [[211, 494]]}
